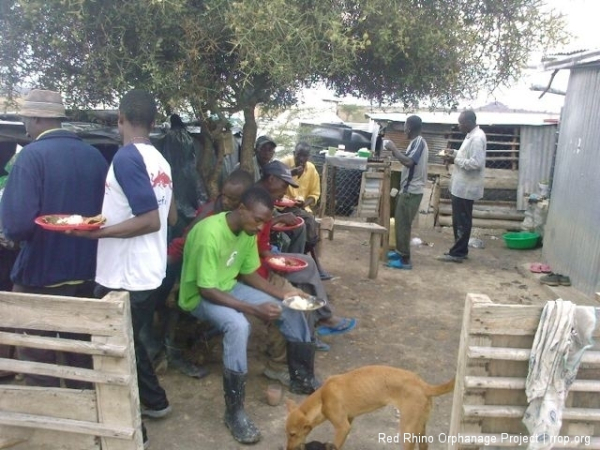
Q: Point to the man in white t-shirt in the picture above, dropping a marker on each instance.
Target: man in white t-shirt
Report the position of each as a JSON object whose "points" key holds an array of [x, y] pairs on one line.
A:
{"points": [[132, 247]]}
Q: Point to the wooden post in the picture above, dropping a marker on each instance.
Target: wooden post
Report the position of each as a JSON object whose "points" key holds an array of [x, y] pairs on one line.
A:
{"points": [[324, 197], [375, 242]]}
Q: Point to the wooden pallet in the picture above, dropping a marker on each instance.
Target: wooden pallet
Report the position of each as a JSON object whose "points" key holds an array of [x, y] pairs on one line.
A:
{"points": [[489, 396], [107, 417]]}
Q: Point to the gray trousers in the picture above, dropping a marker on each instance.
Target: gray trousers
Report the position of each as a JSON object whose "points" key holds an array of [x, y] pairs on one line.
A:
{"points": [[407, 207]]}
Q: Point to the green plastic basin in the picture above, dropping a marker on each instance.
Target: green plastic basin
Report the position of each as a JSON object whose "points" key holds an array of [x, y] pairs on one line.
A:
{"points": [[522, 240]]}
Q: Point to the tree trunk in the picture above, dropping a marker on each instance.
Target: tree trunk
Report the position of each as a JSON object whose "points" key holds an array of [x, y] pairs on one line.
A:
{"points": [[248, 139]]}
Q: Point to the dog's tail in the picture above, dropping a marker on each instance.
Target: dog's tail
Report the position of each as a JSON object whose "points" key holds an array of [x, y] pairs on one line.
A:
{"points": [[440, 389]]}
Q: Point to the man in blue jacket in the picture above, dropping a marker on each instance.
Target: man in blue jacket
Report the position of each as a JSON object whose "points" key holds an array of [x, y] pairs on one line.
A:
{"points": [[57, 173]]}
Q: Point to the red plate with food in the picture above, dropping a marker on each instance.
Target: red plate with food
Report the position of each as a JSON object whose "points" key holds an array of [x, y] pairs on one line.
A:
{"points": [[66, 222], [284, 227], [286, 263], [285, 202]]}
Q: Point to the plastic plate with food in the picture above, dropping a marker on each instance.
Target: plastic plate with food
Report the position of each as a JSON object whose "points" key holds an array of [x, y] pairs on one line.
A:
{"points": [[284, 227], [298, 303], [65, 222], [286, 263], [285, 202]]}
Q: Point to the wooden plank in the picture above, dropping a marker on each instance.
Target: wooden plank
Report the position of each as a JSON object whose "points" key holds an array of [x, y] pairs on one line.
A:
{"points": [[521, 354], [70, 373], [517, 412], [61, 345], [48, 402], [508, 320], [68, 314], [66, 425], [473, 382], [120, 405], [497, 224], [489, 183], [360, 226], [499, 214], [460, 393]]}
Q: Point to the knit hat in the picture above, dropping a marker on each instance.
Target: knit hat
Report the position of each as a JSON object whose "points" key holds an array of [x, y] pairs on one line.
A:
{"points": [[41, 103]]}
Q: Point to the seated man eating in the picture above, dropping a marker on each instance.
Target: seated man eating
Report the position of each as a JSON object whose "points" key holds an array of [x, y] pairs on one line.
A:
{"points": [[220, 284]]}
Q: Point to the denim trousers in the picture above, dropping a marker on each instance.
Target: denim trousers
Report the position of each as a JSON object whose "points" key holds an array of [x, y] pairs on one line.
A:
{"points": [[236, 328]]}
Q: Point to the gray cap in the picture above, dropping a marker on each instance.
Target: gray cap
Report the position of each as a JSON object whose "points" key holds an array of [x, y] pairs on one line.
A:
{"points": [[279, 170]]}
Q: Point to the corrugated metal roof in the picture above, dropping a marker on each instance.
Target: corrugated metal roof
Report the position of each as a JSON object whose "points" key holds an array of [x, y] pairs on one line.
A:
{"points": [[582, 58], [483, 118]]}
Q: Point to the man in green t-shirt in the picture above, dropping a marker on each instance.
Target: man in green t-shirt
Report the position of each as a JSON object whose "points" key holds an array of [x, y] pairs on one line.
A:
{"points": [[219, 284]]}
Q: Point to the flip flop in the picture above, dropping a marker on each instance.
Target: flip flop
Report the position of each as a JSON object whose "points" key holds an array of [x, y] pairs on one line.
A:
{"points": [[535, 268], [545, 268], [344, 326]]}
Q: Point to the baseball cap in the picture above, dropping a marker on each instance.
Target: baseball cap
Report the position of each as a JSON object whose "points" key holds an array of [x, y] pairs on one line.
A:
{"points": [[279, 170], [262, 140]]}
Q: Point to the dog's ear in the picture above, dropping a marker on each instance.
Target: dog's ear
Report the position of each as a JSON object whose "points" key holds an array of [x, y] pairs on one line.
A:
{"points": [[307, 428], [291, 405]]}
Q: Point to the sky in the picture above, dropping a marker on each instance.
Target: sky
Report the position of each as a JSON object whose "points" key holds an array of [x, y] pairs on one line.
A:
{"points": [[581, 21]]}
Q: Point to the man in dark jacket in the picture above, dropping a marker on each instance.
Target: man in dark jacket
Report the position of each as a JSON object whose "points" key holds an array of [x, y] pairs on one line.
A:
{"points": [[57, 173]]}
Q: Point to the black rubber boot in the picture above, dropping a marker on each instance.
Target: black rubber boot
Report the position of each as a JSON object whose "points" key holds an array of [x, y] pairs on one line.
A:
{"points": [[242, 428], [301, 364]]}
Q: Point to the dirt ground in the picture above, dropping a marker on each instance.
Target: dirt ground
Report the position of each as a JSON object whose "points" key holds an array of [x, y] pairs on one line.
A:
{"points": [[409, 319]]}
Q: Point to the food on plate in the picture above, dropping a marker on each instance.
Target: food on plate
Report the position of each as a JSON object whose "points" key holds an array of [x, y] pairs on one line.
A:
{"points": [[283, 262], [297, 302], [75, 219]]}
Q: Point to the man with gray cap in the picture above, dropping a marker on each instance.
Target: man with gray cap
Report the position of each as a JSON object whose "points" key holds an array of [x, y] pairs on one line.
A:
{"points": [[57, 173]]}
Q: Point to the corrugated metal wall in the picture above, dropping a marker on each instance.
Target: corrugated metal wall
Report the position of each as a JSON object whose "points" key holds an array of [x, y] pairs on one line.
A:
{"points": [[572, 232], [536, 155]]}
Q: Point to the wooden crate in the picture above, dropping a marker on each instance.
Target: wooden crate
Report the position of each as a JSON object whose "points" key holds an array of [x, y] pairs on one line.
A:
{"points": [[489, 397], [107, 417]]}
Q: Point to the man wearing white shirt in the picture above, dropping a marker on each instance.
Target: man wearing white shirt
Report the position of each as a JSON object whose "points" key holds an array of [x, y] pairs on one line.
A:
{"points": [[466, 185]]}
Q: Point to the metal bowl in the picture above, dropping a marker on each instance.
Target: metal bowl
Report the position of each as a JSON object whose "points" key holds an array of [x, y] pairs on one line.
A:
{"points": [[298, 303]]}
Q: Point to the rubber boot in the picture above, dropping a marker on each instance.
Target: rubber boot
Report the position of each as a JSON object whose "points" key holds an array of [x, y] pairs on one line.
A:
{"points": [[301, 364], [177, 360], [241, 427]]}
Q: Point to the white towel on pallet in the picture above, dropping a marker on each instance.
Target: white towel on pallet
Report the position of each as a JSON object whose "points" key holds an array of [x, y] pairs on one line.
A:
{"points": [[563, 334]]}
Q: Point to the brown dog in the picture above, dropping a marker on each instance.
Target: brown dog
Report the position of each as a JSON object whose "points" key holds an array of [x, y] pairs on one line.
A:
{"points": [[344, 397]]}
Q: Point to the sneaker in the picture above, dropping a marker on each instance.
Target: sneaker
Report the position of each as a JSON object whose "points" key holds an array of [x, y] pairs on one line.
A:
{"points": [[463, 257], [283, 376], [450, 258], [156, 413], [564, 280], [552, 279]]}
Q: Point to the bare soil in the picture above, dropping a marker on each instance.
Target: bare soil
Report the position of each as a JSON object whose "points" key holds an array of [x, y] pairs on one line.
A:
{"points": [[409, 319]]}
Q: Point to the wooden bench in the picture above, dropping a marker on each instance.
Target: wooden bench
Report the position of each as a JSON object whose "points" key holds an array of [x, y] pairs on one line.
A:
{"points": [[107, 417], [493, 361], [376, 231]]}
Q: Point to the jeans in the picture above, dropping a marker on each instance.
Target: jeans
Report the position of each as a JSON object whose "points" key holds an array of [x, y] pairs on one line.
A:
{"points": [[407, 207], [462, 222], [152, 394], [40, 355], [236, 328]]}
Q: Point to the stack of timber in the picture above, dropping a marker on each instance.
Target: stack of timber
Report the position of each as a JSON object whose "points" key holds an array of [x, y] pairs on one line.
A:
{"points": [[496, 214]]}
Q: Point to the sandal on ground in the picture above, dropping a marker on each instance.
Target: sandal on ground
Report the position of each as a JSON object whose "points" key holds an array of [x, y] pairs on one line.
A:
{"points": [[393, 255], [539, 268], [344, 325], [398, 264], [321, 346]]}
